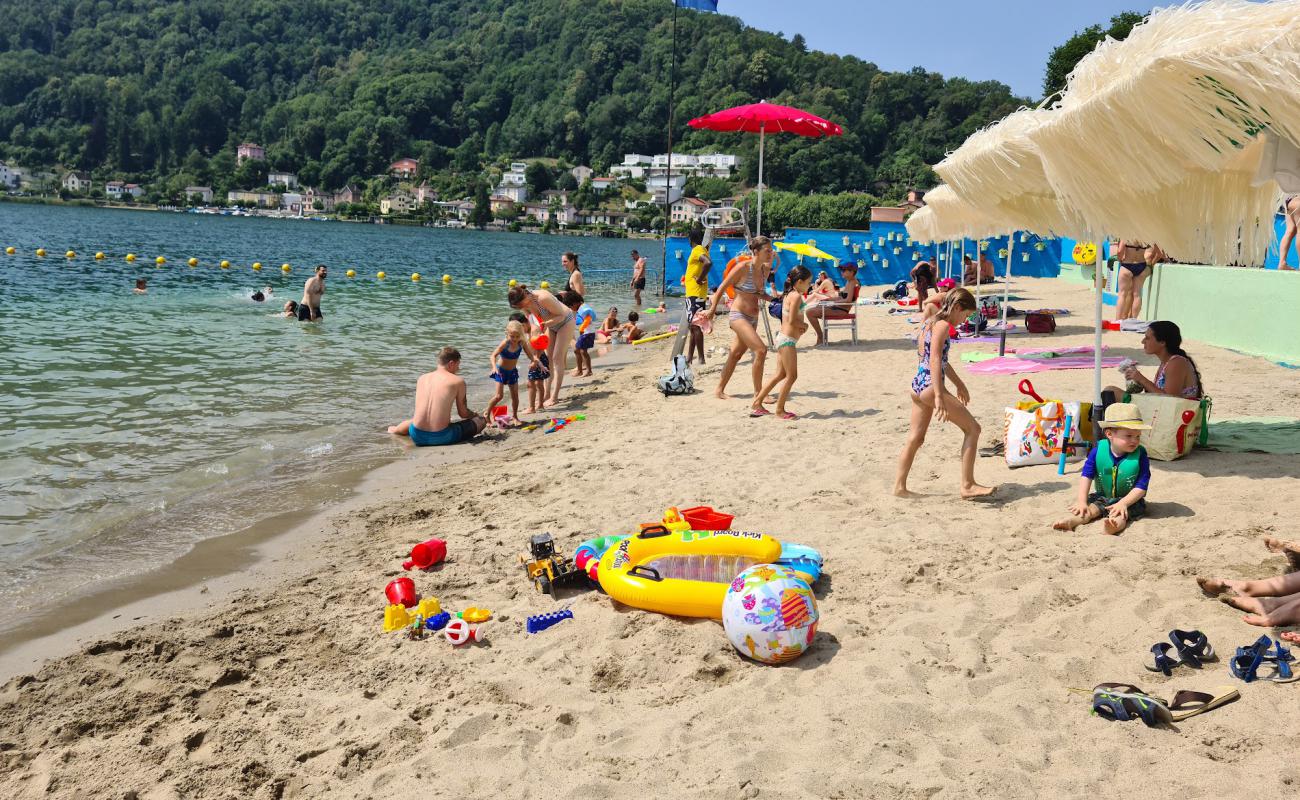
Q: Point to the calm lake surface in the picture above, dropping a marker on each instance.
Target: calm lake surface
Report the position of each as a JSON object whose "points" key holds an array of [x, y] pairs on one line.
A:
{"points": [[136, 425]]}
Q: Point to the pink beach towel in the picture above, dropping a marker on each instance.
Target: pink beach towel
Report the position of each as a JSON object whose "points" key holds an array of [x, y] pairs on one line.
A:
{"points": [[1012, 365]]}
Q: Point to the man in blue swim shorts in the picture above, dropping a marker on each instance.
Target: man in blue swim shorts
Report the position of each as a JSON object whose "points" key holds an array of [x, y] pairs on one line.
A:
{"points": [[435, 393]]}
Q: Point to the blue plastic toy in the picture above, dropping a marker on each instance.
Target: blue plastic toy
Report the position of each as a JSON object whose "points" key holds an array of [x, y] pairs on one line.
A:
{"points": [[543, 621], [438, 621]]}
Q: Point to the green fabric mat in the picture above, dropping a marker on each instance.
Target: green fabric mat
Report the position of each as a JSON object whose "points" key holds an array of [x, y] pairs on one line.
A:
{"points": [[975, 358], [1276, 435]]}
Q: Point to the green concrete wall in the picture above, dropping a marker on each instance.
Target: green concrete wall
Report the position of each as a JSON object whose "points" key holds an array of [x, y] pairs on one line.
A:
{"points": [[1249, 310]]}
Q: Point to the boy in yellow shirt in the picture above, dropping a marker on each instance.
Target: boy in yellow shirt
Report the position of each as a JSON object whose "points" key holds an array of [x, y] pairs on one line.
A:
{"points": [[697, 289]]}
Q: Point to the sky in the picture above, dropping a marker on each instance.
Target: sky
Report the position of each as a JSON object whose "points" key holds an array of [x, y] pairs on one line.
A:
{"points": [[956, 38]]}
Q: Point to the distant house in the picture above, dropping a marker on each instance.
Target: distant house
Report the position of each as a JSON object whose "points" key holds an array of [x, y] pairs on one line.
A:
{"points": [[311, 197], [399, 202], [113, 190], [134, 189], [616, 219], [601, 185], [77, 182], [915, 200], [581, 174], [286, 179], [887, 214], [249, 152], [513, 183], [8, 176], [348, 194], [291, 202], [204, 193], [661, 185], [688, 209], [238, 197], [464, 209], [404, 168], [424, 193], [499, 202]]}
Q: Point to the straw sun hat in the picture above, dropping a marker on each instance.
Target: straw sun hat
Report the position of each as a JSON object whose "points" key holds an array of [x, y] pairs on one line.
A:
{"points": [[1124, 415]]}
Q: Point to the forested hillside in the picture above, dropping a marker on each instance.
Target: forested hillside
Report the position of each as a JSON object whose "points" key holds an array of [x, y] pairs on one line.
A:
{"points": [[336, 89]]}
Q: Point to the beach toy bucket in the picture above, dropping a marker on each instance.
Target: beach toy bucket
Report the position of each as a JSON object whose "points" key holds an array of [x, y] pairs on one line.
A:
{"points": [[541, 342], [704, 518], [425, 555], [401, 592]]}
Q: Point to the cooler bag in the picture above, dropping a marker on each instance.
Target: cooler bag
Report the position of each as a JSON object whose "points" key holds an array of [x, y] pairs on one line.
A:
{"points": [[1176, 424], [1039, 322]]}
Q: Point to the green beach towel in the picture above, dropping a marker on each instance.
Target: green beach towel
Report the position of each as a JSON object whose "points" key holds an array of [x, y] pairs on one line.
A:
{"points": [[1275, 435]]}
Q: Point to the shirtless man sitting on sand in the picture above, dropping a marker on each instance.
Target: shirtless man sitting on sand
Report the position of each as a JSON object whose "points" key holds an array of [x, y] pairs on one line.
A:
{"points": [[435, 393], [309, 308], [1270, 602]]}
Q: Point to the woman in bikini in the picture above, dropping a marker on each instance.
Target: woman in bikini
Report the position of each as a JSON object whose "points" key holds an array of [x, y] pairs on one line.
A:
{"points": [[748, 281], [1134, 269], [1177, 375], [559, 322]]}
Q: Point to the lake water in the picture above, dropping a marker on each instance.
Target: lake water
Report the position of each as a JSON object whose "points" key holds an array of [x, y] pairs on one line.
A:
{"points": [[136, 425]]}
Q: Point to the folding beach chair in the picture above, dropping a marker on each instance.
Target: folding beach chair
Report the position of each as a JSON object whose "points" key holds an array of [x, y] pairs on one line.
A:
{"points": [[838, 318]]}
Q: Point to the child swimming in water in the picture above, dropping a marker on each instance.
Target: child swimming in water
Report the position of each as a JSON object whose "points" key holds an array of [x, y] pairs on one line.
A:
{"points": [[1119, 471], [505, 370], [291, 309], [793, 325], [930, 395]]}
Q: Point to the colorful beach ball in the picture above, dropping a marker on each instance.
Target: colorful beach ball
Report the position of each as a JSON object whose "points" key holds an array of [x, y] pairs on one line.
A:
{"points": [[770, 614], [1085, 253]]}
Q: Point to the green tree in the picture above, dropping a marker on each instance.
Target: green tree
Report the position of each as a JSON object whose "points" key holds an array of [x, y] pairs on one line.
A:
{"points": [[539, 178], [482, 213], [1064, 58]]}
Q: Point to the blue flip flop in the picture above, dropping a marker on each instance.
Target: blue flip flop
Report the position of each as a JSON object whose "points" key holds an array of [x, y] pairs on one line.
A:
{"points": [[1191, 647], [1121, 702]]}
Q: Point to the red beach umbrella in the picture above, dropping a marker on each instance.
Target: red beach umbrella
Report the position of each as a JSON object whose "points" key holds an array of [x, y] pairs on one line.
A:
{"points": [[762, 118]]}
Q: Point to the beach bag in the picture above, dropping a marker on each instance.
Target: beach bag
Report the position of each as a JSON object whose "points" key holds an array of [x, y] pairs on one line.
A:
{"points": [[1176, 424], [1039, 322], [680, 381], [1033, 436]]}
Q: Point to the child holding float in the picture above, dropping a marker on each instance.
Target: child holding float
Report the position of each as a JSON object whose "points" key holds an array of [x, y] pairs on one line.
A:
{"points": [[931, 398], [1117, 470], [793, 324], [505, 370]]}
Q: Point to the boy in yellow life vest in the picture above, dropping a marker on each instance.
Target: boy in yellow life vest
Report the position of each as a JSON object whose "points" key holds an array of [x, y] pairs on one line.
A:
{"points": [[1117, 471]]}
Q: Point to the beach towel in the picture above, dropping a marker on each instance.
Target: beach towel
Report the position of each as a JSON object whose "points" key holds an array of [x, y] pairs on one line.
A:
{"points": [[1275, 435], [1034, 352], [1013, 366]]}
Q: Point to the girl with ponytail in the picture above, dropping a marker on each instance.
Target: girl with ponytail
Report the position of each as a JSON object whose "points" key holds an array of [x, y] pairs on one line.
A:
{"points": [[931, 398], [793, 325]]}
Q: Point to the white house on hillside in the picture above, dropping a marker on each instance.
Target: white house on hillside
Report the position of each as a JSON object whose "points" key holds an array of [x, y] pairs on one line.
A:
{"points": [[286, 179], [8, 176], [513, 183], [77, 181]]}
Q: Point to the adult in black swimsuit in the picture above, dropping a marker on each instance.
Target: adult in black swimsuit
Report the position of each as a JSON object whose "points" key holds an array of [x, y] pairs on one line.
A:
{"points": [[1133, 273], [575, 283]]}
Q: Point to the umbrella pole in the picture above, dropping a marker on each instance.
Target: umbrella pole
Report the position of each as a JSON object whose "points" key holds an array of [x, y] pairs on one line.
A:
{"points": [[762, 134], [1096, 336], [1006, 293], [668, 178]]}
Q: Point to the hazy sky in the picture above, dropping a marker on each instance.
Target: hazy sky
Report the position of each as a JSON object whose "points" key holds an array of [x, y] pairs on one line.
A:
{"points": [[1004, 40]]}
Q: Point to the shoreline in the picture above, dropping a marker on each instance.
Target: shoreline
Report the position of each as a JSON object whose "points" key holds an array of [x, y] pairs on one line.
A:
{"points": [[928, 607], [216, 569]]}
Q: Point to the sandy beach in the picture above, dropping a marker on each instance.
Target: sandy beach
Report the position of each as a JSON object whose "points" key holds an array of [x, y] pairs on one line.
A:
{"points": [[950, 632]]}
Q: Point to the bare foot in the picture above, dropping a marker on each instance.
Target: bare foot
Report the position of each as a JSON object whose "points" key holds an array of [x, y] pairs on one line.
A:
{"points": [[1251, 605], [575, 374], [903, 491], [1213, 587], [769, 401], [1112, 528], [1286, 267], [975, 491], [1291, 636], [550, 403], [394, 429], [721, 395], [1289, 549], [530, 410], [1068, 524]]}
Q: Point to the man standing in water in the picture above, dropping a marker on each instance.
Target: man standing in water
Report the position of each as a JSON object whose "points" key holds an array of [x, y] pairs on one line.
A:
{"points": [[638, 277], [309, 308], [435, 393]]}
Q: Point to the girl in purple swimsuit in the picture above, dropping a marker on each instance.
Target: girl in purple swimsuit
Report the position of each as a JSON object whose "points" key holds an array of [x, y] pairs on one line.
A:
{"points": [[931, 398]]}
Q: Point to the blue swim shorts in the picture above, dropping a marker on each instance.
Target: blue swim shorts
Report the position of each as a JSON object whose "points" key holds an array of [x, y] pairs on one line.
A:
{"points": [[453, 433]]}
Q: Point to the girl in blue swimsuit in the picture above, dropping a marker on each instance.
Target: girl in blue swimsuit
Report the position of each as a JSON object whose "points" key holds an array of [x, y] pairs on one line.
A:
{"points": [[930, 397], [505, 369]]}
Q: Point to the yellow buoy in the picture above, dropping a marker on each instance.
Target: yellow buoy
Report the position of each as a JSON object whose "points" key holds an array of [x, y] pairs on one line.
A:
{"points": [[160, 260], [40, 251], [285, 268], [257, 267], [225, 264], [478, 282], [415, 276], [10, 250], [352, 273], [70, 254], [446, 279], [381, 275], [193, 262], [130, 257], [513, 283], [99, 256], [545, 284]]}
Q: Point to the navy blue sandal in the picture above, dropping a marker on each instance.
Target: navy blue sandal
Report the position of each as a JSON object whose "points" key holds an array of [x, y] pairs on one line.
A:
{"points": [[1121, 702], [1265, 652], [1191, 647]]}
